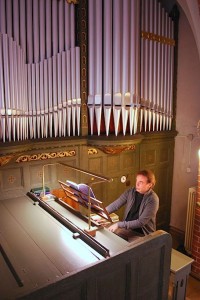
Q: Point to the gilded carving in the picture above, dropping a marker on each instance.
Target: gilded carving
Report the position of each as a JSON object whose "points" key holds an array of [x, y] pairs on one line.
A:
{"points": [[73, 1], [5, 159], [92, 151], [11, 179], [44, 156], [83, 84], [157, 38], [84, 73], [85, 120], [82, 40], [115, 149]]}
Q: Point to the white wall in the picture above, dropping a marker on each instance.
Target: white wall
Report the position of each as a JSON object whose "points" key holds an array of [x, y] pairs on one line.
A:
{"points": [[187, 142]]}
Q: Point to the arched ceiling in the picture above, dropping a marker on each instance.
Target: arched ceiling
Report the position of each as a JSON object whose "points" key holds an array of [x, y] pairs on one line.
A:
{"points": [[192, 12]]}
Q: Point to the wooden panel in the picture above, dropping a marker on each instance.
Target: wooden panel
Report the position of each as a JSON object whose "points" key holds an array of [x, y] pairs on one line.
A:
{"points": [[149, 157], [113, 163], [163, 190], [128, 161], [12, 178], [115, 188], [164, 154], [35, 173], [65, 173], [52, 173], [95, 165], [104, 280], [150, 291], [158, 156], [140, 272]]}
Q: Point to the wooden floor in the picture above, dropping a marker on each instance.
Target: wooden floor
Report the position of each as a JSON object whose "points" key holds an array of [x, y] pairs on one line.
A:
{"points": [[193, 286], [193, 289]]}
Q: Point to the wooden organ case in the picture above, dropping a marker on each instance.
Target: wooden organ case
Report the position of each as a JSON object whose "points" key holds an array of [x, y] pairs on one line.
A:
{"points": [[46, 253]]}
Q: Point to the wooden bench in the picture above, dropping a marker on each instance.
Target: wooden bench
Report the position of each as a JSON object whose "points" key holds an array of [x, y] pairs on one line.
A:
{"points": [[180, 270]]}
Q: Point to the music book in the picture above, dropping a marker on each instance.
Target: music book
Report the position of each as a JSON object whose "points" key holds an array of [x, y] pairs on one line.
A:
{"points": [[84, 189], [83, 193]]}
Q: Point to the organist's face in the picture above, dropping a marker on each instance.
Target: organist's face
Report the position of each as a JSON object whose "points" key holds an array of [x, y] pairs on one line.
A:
{"points": [[142, 185]]}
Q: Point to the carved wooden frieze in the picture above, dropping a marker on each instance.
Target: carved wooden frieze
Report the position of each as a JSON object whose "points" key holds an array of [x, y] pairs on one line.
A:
{"points": [[5, 159], [92, 151], [158, 38], [113, 145], [44, 156], [115, 149]]}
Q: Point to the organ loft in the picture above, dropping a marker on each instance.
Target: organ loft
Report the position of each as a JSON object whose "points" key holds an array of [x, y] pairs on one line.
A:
{"points": [[87, 95]]}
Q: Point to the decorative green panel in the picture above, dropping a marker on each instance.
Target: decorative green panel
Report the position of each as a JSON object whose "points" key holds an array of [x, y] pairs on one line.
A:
{"points": [[12, 178], [156, 153]]}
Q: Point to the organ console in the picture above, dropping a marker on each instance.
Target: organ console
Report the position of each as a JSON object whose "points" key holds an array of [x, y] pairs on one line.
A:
{"points": [[45, 251]]}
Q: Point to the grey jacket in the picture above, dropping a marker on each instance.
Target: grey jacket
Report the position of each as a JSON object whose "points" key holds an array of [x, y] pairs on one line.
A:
{"points": [[147, 212]]}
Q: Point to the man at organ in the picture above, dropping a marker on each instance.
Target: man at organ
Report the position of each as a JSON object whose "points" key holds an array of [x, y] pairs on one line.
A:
{"points": [[142, 204]]}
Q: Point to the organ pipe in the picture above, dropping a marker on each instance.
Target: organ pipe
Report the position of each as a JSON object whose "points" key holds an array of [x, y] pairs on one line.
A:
{"points": [[9, 25], [2, 100], [69, 95], [48, 21], [36, 34], [107, 78], [39, 70], [155, 63], [2, 16], [22, 26], [43, 94], [140, 83], [98, 66], [125, 66], [117, 93], [91, 65], [41, 33]]}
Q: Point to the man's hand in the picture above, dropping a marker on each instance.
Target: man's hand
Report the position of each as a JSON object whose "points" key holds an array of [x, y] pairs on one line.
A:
{"points": [[113, 227]]}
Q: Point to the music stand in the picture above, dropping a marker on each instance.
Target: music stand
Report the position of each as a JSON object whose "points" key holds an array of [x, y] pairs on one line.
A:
{"points": [[83, 195]]}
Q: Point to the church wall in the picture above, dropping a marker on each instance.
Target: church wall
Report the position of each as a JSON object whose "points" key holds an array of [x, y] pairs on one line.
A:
{"points": [[187, 115]]}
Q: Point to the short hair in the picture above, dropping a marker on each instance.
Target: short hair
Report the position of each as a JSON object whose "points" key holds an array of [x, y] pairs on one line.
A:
{"points": [[149, 175]]}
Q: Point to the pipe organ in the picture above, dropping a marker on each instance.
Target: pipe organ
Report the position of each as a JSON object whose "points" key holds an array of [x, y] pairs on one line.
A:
{"points": [[157, 67], [120, 78], [130, 68], [39, 70], [135, 85]]}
